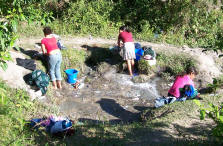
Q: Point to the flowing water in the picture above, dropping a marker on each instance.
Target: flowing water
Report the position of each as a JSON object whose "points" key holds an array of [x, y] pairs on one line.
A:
{"points": [[111, 96]]}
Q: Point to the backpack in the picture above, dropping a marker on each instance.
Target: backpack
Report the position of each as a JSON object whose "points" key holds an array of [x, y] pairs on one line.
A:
{"points": [[149, 51], [38, 78], [188, 90]]}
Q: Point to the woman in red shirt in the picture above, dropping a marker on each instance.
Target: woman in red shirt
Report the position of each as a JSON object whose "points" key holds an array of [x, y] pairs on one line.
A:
{"points": [[129, 48], [50, 48]]}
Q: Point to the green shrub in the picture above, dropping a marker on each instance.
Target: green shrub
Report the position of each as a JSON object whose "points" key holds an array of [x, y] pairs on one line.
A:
{"points": [[174, 64], [215, 112], [145, 68]]}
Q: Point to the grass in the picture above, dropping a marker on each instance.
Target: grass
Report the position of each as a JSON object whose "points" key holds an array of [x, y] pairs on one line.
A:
{"points": [[15, 110], [29, 30], [73, 58]]}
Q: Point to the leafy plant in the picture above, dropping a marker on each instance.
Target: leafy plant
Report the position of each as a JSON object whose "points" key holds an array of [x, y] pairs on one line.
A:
{"points": [[216, 114], [11, 12], [217, 83]]}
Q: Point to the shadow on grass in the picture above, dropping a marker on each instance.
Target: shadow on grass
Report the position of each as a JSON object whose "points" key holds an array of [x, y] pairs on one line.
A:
{"points": [[125, 134]]}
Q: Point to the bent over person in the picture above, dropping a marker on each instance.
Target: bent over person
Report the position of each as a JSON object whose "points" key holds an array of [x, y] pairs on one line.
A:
{"points": [[129, 48], [50, 48]]}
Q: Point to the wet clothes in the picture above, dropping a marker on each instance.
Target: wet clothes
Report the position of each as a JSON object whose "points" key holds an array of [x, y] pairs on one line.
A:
{"points": [[50, 44], [26, 63], [161, 101], [180, 82]]}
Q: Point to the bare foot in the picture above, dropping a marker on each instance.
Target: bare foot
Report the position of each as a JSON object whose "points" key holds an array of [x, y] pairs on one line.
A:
{"points": [[54, 85], [59, 86]]}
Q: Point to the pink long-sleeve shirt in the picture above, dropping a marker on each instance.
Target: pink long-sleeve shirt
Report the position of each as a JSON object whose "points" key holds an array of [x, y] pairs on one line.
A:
{"points": [[180, 82]]}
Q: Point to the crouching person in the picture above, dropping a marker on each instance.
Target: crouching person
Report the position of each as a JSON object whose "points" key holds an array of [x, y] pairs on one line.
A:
{"points": [[184, 85]]}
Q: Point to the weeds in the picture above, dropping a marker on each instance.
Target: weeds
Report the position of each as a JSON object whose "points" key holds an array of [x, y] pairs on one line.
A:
{"points": [[14, 110], [73, 58], [173, 64], [145, 68]]}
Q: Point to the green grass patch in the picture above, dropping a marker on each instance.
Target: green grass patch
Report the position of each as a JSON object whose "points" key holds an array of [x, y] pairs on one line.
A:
{"points": [[15, 110], [174, 64], [30, 30], [73, 58]]}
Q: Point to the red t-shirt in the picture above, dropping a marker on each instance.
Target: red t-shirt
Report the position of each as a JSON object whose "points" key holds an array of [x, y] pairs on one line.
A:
{"points": [[50, 44], [125, 36]]}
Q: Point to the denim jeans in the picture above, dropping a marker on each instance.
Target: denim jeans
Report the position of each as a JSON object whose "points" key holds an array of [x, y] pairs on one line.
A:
{"points": [[55, 61]]}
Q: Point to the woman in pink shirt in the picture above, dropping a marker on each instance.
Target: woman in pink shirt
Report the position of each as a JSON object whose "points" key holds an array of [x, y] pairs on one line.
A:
{"points": [[128, 45], [181, 81]]}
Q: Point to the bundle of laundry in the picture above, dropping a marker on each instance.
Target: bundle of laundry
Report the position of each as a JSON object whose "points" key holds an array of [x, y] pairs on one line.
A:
{"points": [[52, 124], [149, 53], [38, 78], [59, 42]]}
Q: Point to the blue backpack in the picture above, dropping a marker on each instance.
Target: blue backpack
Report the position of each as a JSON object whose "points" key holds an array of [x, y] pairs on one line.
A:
{"points": [[189, 90]]}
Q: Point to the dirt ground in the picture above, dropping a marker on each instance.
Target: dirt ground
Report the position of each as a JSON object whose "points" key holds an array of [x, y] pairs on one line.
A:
{"points": [[110, 96]]}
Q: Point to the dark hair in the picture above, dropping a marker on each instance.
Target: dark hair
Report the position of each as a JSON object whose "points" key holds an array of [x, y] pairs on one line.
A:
{"points": [[47, 31], [124, 28], [189, 70]]}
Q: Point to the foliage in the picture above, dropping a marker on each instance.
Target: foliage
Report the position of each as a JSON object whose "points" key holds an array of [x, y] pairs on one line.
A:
{"points": [[87, 17], [214, 112], [196, 23], [216, 84], [144, 67], [14, 106], [174, 64], [7, 39], [11, 12]]}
